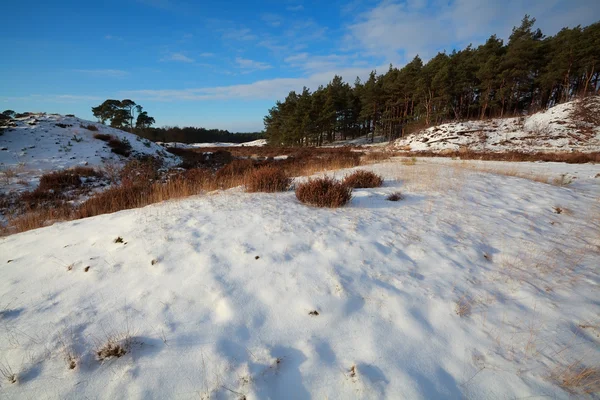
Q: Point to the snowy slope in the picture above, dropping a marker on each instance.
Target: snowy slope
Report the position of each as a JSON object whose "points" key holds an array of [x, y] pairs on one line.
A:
{"points": [[216, 293], [551, 130], [254, 143], [37, 145]]}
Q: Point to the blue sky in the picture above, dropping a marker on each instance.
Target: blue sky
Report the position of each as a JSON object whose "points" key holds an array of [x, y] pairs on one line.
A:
{"points": [[222, 64]]}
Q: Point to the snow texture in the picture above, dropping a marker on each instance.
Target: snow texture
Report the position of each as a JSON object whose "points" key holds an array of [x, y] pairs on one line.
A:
{"points": [[233, 294]]}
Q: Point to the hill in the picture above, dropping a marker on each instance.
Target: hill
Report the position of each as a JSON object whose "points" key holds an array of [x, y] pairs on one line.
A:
{"points": [[39, 143], [564, 128]]}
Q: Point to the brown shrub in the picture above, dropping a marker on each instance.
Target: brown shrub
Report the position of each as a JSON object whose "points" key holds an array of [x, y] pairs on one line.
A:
{"points": [[267, 179], [235, 168], [103, 136], [323, 192], [90, 127], [117, 198], [121, 147], [363, 179], [59, 180], [144, 169]]}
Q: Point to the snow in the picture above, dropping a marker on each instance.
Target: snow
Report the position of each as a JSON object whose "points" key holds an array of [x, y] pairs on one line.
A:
{"points": [[254, 143], [36, 145], [551, 130], [215, 292]]}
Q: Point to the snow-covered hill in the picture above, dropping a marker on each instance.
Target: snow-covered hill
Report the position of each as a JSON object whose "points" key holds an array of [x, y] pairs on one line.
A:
{"points": [[476, 285], [554, 130], [40, 143]]}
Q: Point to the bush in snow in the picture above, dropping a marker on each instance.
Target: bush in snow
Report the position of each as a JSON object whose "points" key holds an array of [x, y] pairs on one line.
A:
{"points": [[121, 147], [103, 136], [267, 179], [90, 127], [363, 179], [60, 180], [324, 192]]}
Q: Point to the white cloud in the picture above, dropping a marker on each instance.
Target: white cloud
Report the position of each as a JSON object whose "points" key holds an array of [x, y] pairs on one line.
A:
{"points": [[273, 20], [56, 98], [424, 27], [206, 54], [112, 37], [316, 63], [251, 65], [114, 73], [180, 57], [299, 7], [243, 34], [269, 89]]}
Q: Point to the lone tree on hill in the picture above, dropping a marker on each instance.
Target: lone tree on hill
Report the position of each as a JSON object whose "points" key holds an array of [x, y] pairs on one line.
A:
{"points": [[121, 114]]}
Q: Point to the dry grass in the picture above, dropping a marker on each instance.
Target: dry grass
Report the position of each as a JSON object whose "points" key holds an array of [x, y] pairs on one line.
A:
{"points": [[267, 179], [8, 174], [577, 378], [462, 307], [409, 161], [8, 374], [113, 349], [562, 180], [363, 179], [376, 157], [324, 192], [396, 196], [514, 156]]}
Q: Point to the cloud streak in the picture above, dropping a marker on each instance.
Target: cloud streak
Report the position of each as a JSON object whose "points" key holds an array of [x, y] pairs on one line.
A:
{"points": [[268, 89], [251, 65], [112, 73], [178, 57]]}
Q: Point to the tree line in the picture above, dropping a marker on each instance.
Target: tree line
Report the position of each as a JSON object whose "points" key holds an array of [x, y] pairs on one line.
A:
{"points": [[528, 73], [197, 135], [122, 113]]}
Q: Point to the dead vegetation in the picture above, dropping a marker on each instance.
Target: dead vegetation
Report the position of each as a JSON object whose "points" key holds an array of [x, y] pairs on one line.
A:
{"points": [[578, 378], [8, 374], [462, 307], [267, 179], [396, 196], [513, 156], [90, 127], [113, 349], [363, 179], [324, 192]]}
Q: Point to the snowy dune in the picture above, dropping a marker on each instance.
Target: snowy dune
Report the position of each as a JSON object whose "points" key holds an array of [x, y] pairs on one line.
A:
{"points": [[550, 130], [37, 145], [217, 293]]}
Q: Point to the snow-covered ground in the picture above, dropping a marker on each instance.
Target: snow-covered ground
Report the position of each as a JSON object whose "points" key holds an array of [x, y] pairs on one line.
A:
{"points": [[37, 145], [553, 130], [233, 294], [254, 143]]}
